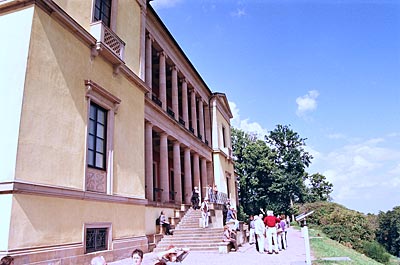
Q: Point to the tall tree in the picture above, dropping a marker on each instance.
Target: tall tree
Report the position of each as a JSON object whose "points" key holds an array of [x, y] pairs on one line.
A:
{"points": [[292, 160], [320, 189], [388, 232], [254, 166]]}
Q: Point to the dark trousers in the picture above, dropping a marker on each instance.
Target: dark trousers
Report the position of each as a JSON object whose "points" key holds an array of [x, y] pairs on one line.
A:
{"points": [[167, 228]]}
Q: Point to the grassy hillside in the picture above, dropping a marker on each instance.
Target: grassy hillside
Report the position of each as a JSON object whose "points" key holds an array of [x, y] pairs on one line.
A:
{"points": [[323, 247]]}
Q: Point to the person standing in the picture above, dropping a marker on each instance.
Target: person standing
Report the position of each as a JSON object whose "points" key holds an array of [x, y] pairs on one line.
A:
{"points": [[210, 193], [270, 222], [215, 193], [204, 212], [195, 198], [259, 230], [284, 227], [252, 235]]}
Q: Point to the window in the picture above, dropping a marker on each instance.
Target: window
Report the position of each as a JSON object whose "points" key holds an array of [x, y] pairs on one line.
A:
{"points": [[223, 136], [97, 137], [101, 108], [228, 179], [97, 237], [102, 11]]}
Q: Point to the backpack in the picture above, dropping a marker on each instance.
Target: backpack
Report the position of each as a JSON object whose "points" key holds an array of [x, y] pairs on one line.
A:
{"points": [[158, 221]]}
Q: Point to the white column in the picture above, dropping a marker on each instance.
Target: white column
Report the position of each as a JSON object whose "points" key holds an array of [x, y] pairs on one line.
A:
{"points": [[203, 171], [185, 110], [188, 176], [164, 174], [207, 127], [149, 63], [201, 119], [196, 171], [142, 59], [177, 172], [175, 104], [215, 129], [210, 176], [149, 161], [163, 81], [194, 114]]}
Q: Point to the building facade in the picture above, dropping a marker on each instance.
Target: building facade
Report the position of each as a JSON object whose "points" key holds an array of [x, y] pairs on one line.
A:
{"points": [[105, 123]]}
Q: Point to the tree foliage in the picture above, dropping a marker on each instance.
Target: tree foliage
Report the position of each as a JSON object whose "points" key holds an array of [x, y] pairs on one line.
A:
{"points": [[348, 227], [319, 189], [388, 232], [272, 171]]}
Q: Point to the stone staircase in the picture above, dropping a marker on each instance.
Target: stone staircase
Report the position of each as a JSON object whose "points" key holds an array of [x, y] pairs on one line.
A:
{"points": [[188, 234]]}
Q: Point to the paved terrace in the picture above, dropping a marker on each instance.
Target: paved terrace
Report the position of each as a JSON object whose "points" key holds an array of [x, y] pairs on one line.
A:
{"points": [[247, 254]]}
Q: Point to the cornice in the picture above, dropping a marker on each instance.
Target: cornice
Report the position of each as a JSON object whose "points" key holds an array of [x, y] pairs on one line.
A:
{"points": [[53, 10], [20, 187]]}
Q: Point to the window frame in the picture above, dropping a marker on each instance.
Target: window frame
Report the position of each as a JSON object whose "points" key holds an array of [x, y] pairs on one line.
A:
{"points": [[223, 136], [95, 151], [100, 5], [105, 225], [113, 14], [100, 180]]}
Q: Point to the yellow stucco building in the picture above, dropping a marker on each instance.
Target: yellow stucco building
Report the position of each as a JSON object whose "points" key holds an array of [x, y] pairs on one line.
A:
{"points": [[105, 122]]}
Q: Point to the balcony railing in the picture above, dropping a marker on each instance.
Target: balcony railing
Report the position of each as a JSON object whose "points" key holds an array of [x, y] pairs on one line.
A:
{"points": [[106, 36], [171, 113], [200, 136], [191, 129], [156, 100], [157, 194], [172, 195], [181, 121]]}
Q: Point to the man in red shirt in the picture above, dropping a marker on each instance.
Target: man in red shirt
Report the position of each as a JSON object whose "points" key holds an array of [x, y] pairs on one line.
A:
{"points": [[270, 222]]}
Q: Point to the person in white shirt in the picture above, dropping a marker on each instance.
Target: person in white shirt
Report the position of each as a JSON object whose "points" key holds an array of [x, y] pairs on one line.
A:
{"points": [[260, 232], [204, 212]]}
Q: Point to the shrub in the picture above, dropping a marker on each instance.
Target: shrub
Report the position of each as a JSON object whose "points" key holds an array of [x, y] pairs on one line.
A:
{"points": [[346, 226], [376, 251]]}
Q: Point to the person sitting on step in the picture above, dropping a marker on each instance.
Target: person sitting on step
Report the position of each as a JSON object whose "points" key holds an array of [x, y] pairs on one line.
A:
{"points": [[230, 236], [165, 223]]}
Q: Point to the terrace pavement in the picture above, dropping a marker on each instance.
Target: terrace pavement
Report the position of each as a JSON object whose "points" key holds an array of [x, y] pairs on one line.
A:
{"points": [[247, 254]]}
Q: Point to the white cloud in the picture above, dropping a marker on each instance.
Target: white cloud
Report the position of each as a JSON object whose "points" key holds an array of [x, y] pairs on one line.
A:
{"points": [[160, 4], [307, 103], [240, 12], [365, 175], [245, 124], [336, 136]]}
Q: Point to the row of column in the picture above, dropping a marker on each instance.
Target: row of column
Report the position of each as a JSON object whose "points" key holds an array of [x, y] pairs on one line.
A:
{"points": [[200, 169], [204, 118]]}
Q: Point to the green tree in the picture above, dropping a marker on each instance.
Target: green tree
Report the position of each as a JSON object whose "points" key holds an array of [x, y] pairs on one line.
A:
{"points": [[291, 160], [271, 172], [388, 232], [319, 188], [254, 166]]}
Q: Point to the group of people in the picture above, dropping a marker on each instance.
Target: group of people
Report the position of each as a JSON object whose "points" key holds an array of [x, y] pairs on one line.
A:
{"points": [[273, 228], [170, 256], [204, 207], [212, 193]]}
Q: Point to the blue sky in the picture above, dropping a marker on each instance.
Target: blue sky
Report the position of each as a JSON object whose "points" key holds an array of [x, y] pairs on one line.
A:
{"points": [[330, 69]]}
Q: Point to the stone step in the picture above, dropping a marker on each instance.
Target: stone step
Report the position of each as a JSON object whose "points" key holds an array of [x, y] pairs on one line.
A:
{"points": [[193, 247], [193, 238], [187, 233]]}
